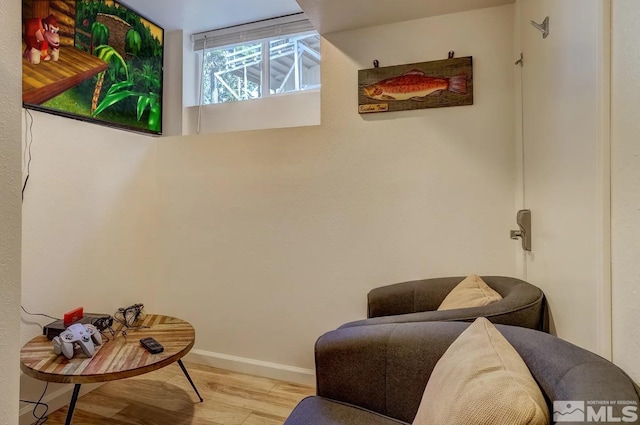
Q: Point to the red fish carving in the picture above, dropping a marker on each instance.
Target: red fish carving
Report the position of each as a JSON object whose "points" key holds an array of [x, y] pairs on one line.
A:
{"points": [[415, 85]]}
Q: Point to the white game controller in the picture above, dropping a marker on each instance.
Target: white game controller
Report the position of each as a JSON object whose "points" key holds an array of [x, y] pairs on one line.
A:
{"points": [[84, 335]]}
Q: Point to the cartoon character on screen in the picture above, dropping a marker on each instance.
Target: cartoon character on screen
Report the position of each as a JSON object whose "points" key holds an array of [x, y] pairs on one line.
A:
{"points": [[42, 39]]}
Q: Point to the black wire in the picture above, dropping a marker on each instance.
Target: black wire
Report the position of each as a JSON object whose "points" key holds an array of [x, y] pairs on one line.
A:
{"points": [[130, 316], [122, 321], [24, 186], [28, 149], [113, 332], [38, 314], [42, 418], [104, 336], [126, 324]]}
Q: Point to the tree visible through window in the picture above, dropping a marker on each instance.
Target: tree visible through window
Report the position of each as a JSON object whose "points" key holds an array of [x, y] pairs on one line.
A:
{"points": [[261, 68]]}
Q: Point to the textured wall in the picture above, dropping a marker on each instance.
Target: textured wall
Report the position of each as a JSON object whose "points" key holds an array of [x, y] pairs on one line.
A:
{"points": [[10, 184], [286, 110], [172, 75], [276, 236], [89, 223], [566, 165], [625, 211]]}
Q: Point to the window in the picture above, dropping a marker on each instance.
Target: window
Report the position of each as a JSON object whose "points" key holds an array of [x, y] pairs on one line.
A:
{"points": [[276, 56]]}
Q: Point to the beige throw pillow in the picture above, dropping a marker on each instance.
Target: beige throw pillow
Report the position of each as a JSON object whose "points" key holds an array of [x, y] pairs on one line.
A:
{"points": [[471, 292], [481, 380]]}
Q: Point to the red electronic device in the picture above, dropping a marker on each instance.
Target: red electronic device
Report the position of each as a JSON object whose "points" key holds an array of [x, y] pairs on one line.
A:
{"points": [[73, 316]]}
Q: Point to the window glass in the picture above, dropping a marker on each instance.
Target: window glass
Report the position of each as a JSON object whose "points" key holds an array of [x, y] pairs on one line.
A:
{"points": [[232, 73], [235, 73], [294, 63]]}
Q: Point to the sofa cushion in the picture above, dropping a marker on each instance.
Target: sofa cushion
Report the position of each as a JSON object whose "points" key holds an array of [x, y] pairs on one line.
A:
{"points": [[322, 411], [471, 292], [481, 379]]}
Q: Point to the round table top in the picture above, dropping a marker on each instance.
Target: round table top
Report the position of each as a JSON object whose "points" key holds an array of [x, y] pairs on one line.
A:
{"points": [[120, 357]]}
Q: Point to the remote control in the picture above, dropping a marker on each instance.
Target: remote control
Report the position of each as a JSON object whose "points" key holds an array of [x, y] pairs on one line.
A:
{"points": [[152, 346]]}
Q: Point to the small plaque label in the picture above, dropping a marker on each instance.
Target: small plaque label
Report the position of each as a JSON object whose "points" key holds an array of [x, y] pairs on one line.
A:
{"points": [[373, 107]]}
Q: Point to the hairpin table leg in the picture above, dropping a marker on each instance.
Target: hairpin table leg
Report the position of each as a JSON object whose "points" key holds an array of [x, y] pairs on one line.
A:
{"points": [[184, 370], [72, 405]]}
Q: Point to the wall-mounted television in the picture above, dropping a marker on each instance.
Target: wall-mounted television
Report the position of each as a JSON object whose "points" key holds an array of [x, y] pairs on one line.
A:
{"points": [[93, 60]]}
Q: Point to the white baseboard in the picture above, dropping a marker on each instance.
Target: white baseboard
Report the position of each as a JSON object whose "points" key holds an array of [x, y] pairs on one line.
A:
{"points": [[253, 367], [54, 400]]}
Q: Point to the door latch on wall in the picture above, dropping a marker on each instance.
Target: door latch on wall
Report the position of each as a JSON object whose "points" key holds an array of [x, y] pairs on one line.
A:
{"points": [[523, 219]]}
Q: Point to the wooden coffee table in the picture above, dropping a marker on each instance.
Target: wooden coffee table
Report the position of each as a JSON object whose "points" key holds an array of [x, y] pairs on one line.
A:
{"points": [[120, 357]]}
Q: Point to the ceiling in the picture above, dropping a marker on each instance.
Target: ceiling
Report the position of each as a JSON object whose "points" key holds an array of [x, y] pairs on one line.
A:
{"points": [[327, 16], [194, 16]]}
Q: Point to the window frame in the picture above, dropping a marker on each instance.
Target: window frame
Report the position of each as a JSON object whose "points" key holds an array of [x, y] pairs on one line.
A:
{"points": [[263, 33]]}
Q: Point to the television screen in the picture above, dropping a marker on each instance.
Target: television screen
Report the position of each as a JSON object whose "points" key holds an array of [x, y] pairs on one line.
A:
{"points": [[94, 60]]}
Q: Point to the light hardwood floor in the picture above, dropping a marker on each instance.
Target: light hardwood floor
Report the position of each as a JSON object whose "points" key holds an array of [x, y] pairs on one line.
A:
{"points": [[165, 397]]}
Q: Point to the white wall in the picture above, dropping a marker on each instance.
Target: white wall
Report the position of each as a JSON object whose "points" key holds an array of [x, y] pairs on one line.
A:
{"points": [[10, 184], [279, 111], [89, 224], [172, 109], [566, 164], [625, 183], [270, 238]]}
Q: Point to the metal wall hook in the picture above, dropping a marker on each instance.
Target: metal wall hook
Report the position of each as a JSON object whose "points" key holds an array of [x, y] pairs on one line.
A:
{"points": [[520, 61], [543, 27]]}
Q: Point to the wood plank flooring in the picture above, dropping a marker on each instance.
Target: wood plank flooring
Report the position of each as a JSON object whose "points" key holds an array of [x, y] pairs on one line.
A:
{"points": [[165, 397]]}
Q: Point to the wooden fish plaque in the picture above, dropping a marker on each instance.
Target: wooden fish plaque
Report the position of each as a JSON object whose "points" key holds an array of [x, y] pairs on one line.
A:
{"points": [[434, 84]]}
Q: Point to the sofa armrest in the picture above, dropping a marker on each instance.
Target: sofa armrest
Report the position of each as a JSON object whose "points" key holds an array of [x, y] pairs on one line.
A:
{"points": [[567, 372], [409, 297], [523, 304], [382, 368]]}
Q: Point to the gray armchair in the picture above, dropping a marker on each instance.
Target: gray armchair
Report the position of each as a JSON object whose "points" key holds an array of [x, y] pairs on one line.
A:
{"points": [[522, 304], [376, 375]]}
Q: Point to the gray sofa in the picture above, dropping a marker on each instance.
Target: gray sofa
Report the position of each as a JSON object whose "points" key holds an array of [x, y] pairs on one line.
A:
{"points": [[522, 304], [376, 375]]}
